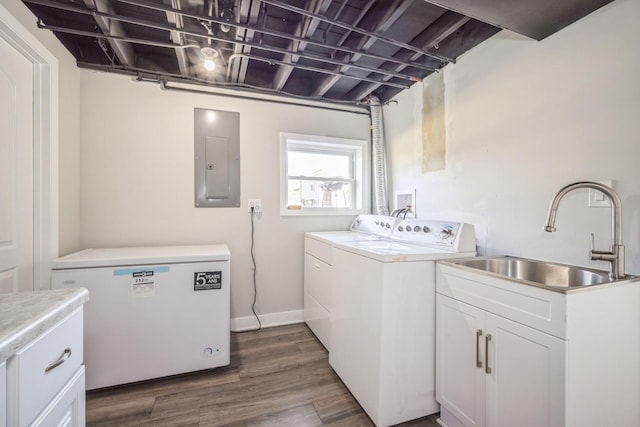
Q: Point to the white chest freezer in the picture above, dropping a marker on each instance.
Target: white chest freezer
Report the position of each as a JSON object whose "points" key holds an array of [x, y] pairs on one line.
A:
{"points": [[152, 311]]}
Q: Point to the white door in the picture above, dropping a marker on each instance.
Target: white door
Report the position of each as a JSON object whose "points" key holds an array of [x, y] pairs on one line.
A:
{"points": [[16, 170], [460, 361], [526, 385]]}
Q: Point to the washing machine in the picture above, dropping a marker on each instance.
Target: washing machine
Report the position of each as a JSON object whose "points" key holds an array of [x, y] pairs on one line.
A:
{"points": [[382, 321], [152, 311], [317, 268]]}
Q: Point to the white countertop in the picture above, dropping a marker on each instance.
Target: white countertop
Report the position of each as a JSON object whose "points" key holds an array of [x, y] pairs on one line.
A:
{"points": [[26, 315]]}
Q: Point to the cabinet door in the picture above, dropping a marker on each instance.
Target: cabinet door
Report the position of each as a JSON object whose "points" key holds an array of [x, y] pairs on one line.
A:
{"points": [[67, 408], [460, 375], [526, 385], [3, 394]]}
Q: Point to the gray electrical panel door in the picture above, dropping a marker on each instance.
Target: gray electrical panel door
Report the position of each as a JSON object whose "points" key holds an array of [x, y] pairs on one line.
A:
{"points": [[217, 158]]}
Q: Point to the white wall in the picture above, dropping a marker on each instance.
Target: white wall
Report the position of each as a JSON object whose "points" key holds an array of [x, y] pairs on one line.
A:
{"points": [[68, 129], [524, 118], [137, 181]]}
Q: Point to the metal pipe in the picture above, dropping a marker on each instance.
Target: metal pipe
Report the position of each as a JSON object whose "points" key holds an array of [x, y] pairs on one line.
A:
{"points": [[264, 30], [178, 78], [354, 29], [298, 104], [110, 37], [304, 67], [253, 45]]}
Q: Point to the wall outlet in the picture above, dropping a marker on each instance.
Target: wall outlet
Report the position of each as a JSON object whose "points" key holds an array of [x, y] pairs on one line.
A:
{"points": [[597, 199], [256, 204]]}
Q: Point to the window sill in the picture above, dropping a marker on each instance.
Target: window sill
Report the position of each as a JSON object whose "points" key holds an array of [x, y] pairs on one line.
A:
{"points": [[320, 212]]}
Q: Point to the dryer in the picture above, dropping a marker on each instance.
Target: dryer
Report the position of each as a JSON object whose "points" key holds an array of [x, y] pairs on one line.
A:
{"points": [[383, 316]]}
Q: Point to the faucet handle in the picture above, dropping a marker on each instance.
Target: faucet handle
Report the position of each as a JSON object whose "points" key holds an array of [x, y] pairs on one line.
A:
{"points": [[599, 255]]}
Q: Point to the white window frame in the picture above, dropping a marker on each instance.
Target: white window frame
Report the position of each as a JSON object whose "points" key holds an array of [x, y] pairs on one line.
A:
{"points": [[325, 144]]}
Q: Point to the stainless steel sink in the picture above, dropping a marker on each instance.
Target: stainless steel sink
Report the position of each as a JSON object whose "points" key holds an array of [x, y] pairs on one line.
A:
{"points": [[539, 273]]}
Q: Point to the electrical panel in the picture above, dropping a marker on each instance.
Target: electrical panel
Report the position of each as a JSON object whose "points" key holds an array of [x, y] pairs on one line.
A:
{"points": [[217, 158]]}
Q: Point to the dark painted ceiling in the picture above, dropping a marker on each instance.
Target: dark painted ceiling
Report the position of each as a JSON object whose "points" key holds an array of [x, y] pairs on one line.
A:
{"points": [[340, 51]]}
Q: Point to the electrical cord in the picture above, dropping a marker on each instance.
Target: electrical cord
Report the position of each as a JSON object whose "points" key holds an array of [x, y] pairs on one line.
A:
{"points": [[255, 286], [255, 269]]}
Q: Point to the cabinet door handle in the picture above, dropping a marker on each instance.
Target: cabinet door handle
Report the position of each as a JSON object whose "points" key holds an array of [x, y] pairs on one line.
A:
{"points": [[478, 361], [487, 369], [63, 358]]}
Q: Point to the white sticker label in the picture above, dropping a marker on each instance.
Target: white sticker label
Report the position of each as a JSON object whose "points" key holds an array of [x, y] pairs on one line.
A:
{"points": [[143, 284]]}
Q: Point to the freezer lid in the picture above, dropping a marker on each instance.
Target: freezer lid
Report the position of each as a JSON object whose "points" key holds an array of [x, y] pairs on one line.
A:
{"points": [[111, 257]]}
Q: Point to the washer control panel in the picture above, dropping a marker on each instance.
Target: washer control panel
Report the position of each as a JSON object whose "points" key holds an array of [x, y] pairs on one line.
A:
{"points": [[454, 236], [428, 232]]}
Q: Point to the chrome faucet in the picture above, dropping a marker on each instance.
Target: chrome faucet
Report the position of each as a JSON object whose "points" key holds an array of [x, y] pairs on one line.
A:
{"points": [[615, 256]]}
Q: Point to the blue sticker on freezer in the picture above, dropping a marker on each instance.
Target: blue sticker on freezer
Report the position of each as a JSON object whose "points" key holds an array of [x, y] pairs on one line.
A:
{"points": [[205, 280], [129, 271]]}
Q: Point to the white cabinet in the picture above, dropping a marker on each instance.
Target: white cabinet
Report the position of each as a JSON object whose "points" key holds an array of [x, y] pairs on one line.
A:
{"points": [[317, 288], [495, 372], [45, 378], [509, 354]]}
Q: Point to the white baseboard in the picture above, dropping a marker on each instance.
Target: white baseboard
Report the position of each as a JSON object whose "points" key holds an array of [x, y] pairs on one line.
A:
{"points": [[239, 324]]}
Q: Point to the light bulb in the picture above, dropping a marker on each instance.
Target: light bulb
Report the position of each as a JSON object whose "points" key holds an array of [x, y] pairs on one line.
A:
{"points": [[209, 65]]}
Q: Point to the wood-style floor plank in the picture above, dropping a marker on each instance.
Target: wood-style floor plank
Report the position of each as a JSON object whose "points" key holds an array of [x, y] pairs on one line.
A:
{"points": [[277, 377]]}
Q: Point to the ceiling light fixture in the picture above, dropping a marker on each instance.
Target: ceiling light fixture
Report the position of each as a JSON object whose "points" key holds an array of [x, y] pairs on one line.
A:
{"points": [[209, 55]]}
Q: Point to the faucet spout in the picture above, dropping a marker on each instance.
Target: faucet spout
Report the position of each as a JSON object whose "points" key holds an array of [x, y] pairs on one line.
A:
{"points": [[616, 255]]}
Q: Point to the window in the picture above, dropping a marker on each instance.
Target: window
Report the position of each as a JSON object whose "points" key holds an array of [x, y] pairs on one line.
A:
{"points": [[323, 175]]}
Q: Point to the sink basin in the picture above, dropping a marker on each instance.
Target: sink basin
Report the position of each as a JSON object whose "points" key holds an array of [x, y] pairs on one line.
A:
{"points": [[539, 273]]}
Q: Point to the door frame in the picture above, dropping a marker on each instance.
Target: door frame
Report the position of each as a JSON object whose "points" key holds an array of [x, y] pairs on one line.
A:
{"points": [[45, 144]]}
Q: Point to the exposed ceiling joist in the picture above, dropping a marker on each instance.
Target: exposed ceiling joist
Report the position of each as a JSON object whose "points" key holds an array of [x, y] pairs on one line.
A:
{"points": [[176, 37], [430, 38], [338, 51], [122, 50], [249, 14], [306, 29]]}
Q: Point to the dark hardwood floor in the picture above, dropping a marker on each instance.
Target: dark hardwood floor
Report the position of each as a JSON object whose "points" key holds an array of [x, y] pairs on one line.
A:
{"points": [[277, 377]]}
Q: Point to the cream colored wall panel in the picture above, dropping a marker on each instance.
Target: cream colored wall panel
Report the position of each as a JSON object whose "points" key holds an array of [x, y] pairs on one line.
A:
{"points": [[137, 181], [523, 119]]}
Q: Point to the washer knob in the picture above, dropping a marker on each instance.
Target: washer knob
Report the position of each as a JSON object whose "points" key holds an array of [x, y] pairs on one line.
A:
{"points": [[446, 232], [400, 228], [416, 228], [388, 225], [426, 229]]}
